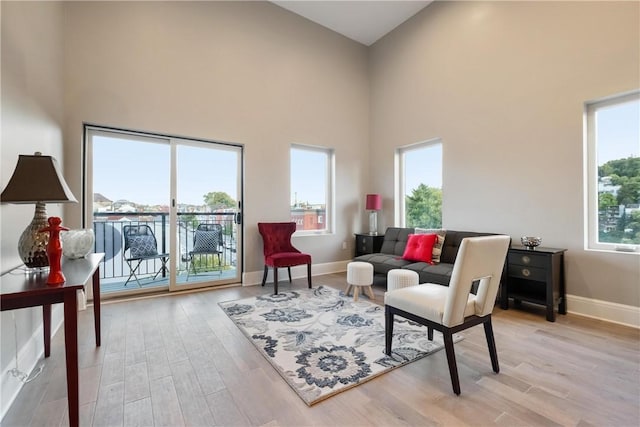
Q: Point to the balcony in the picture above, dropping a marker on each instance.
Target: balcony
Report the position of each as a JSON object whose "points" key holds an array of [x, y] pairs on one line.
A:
{"points": [[114, 270]]}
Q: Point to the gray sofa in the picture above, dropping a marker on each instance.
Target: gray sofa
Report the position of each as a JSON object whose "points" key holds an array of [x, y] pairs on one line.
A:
{"points": [[395, 240]]}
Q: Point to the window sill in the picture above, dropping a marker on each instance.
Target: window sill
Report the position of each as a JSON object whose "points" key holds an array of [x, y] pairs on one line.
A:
{"points": [[624, 251]]}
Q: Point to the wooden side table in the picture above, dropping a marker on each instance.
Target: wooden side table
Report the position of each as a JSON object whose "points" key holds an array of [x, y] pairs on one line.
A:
{"points": [[368, 243], [31, 290], [536, 276]]}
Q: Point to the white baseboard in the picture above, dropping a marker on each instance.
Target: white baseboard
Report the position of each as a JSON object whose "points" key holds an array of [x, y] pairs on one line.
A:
{"points": [[253, 278], [602, 310], [29, 357], [627, 315]]}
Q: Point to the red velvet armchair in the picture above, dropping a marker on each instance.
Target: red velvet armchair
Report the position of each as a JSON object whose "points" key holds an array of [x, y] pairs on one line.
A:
{"points": [[279, 252]]}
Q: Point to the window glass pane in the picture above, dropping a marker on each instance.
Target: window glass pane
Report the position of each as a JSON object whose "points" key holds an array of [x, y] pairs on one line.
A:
{"points": [[422, 177], [131, 174], [617, 148], [310, 173]]}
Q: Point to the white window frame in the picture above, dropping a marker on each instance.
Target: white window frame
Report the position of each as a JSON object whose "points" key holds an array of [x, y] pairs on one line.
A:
{"points": [[400, 203], [591, 173], [328, 219]]}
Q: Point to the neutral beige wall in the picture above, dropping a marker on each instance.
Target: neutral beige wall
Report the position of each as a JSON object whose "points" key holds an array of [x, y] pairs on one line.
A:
{"points": [[503, 84], [244, 72], [32, 114]]}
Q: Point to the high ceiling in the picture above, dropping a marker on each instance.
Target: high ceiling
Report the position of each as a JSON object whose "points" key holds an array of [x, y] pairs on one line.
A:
{"points": [[362, 21]]}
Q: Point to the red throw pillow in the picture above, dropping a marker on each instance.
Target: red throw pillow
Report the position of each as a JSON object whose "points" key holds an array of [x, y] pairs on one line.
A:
{"points": [[420, 247]]}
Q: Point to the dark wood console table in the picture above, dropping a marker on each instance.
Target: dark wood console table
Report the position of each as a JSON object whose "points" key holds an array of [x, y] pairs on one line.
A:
{"points": [[31, 290], [536, 276]]}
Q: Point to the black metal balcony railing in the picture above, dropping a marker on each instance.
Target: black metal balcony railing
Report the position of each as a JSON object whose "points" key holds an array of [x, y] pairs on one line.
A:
{"points": [[108, 229]]}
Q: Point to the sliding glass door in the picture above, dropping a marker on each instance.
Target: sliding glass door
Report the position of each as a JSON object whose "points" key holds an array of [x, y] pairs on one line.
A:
{"points": [[207, 210], [164, 210]]}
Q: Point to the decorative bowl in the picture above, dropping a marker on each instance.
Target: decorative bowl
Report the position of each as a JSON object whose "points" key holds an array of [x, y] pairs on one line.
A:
{"points": [[530, 242], [77, 243]]}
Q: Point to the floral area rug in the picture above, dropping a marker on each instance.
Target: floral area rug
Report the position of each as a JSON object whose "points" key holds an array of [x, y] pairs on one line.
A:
{"points": [[322, 342]]}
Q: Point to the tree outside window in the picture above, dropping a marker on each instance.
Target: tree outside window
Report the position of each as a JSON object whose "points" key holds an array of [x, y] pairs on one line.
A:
{"points": [[421, 184]]}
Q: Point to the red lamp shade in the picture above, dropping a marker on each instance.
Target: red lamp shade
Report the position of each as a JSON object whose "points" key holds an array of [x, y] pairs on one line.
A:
{"points": [[374, 202]]}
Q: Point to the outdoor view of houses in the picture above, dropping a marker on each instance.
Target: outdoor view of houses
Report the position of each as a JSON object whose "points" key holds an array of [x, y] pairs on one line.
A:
{"points": [[619, 201]]}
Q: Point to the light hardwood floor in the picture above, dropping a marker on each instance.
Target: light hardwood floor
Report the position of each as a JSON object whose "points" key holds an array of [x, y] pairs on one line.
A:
{"points": [[178, 360]]}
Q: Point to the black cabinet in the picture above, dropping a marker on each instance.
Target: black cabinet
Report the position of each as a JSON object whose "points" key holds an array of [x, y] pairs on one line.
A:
{"points": [[368, 243], [536, 276]]}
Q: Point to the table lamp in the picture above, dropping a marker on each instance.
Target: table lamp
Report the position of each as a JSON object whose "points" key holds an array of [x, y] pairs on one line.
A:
{"points": [[36, 179], [374, 204]]}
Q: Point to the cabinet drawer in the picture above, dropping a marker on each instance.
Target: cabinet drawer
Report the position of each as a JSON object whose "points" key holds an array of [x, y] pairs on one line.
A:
{"points": [[529, 273], [365, 244], [528, 259]]}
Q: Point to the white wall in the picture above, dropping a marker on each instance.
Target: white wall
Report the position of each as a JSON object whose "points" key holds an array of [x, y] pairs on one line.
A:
{"points": [[244, 72], [504, 84], [32, 114]]}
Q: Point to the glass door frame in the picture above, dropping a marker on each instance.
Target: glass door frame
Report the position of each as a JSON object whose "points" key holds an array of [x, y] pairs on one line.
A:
{"points": [[91, 130]]}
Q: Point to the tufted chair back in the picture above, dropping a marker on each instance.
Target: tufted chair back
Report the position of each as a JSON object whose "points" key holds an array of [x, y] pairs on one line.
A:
{"points": [[276, 237]]}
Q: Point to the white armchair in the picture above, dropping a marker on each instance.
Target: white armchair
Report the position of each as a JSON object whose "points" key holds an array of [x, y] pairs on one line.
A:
{"points": [[450, 309]]}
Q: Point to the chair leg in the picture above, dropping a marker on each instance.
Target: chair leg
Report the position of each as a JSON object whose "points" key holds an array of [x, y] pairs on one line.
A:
{"points": [[275, 280], [488, 331], [309, 274], [264, 276], [429, 333], [191, 265], [289, 269], [133, 273], [388, 332], [163, 268], [451, 359]]}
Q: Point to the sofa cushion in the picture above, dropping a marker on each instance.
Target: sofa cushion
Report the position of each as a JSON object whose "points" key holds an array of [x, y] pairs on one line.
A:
{"points": [[437, 247], [438, 273], [382, 263], [395, 240], [420, 247]]}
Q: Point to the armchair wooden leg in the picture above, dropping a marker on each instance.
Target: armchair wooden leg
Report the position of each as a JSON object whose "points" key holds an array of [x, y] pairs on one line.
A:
{"points": [[430, 333], [289, 270], [388, 332], [491, 343], [264, 276], [451, 359], [275, 280], [309, 274]]}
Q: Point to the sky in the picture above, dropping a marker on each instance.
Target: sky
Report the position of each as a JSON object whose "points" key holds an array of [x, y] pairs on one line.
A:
{"points": [[423, 166], [618, 132], [140, 171], [309, 176]]}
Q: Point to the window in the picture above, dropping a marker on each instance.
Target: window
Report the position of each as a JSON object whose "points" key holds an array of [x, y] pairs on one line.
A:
{"points": [[613, 173], [311, 188], [419, 168]]}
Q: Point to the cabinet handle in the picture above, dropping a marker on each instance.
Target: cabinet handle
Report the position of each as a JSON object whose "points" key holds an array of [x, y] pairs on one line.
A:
{"points": [[526, 259], [526, 272]]}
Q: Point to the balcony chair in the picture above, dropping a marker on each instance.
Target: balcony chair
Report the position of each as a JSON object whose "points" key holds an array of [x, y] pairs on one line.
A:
{"points": [[453, 308], [207, 240], [141, 243], [279, 252]]}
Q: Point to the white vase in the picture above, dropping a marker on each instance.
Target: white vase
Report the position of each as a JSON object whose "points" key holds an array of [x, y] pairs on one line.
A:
{"points": [[77, 243]]}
